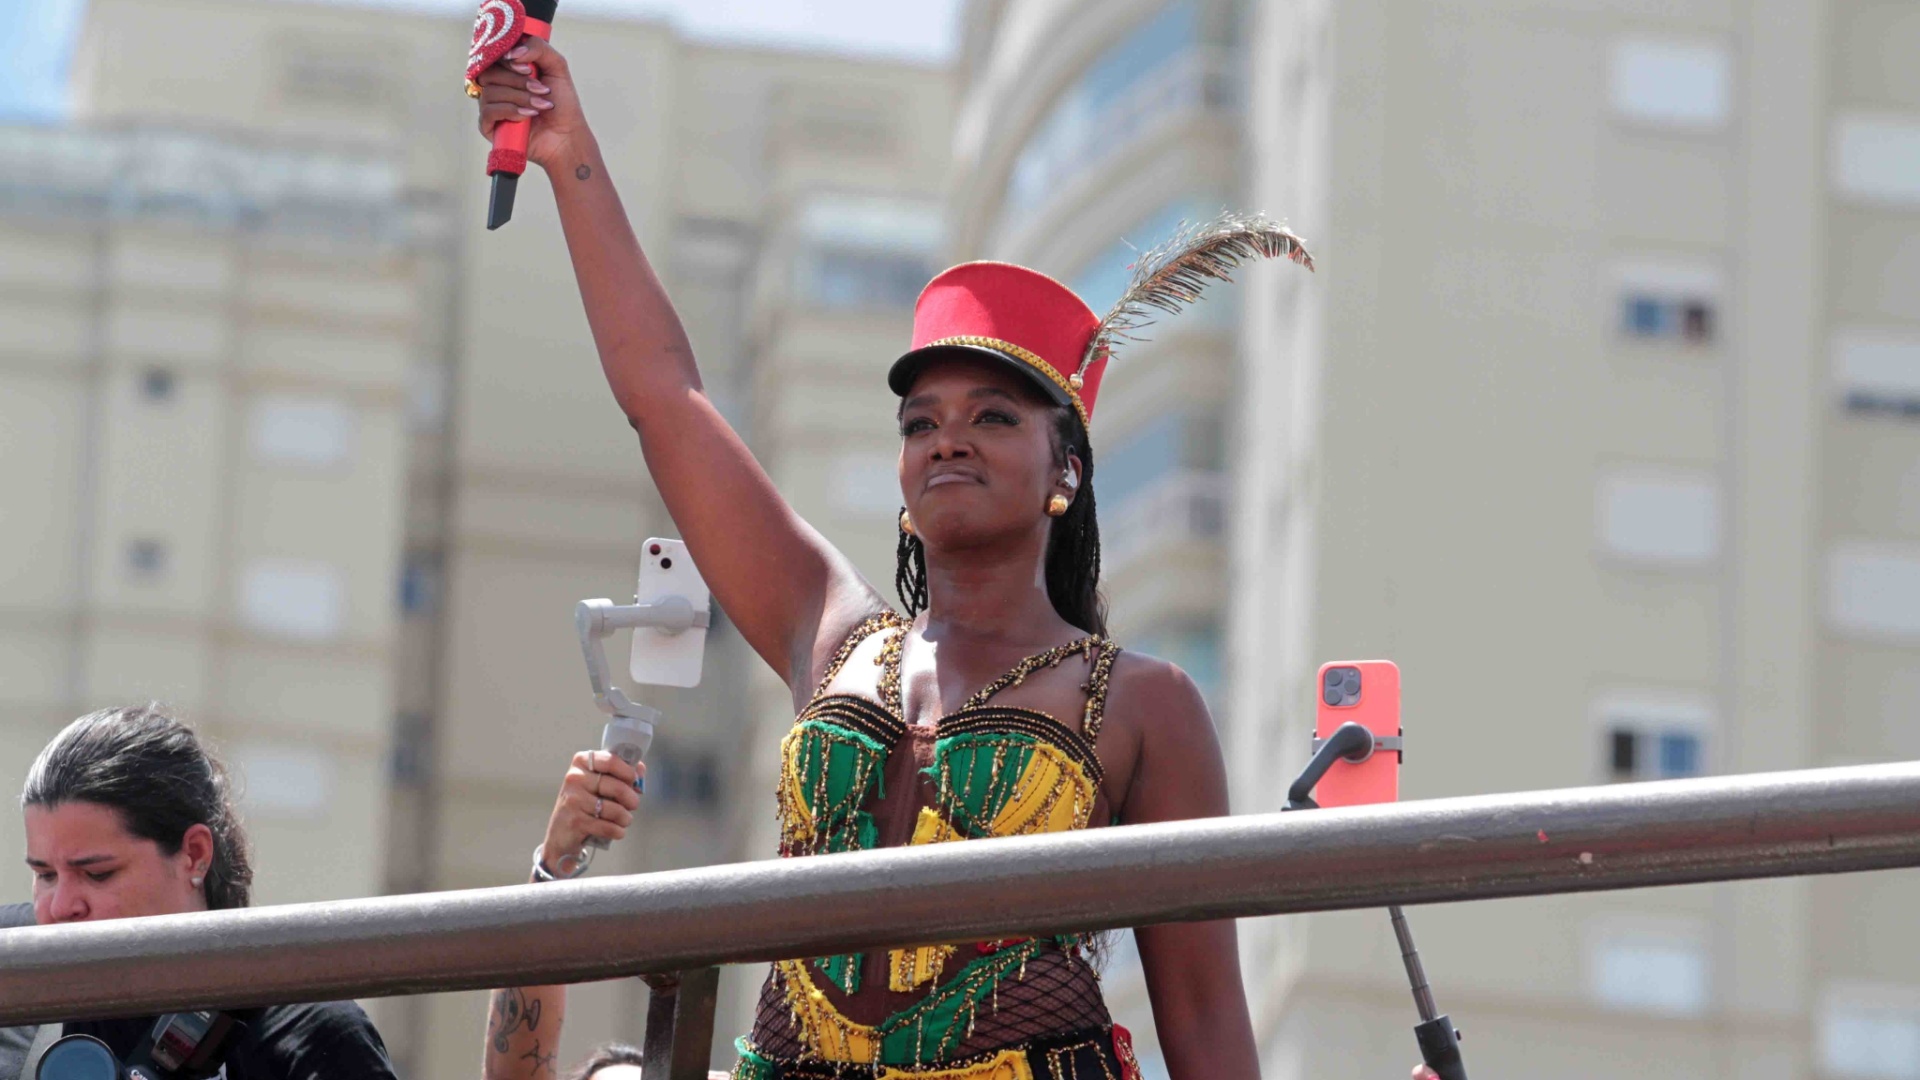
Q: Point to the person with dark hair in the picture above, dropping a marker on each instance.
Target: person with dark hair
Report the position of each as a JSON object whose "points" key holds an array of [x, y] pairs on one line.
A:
{"points": [[127, 814], [614, 1061], [992, 704]]}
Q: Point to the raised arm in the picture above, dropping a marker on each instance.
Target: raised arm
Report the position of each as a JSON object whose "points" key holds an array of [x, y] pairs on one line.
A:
{"points": [[792, 595], [597, 798]]}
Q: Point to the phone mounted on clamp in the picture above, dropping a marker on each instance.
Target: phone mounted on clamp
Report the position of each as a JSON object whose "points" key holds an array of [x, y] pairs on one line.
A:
{"points": [[1355, 743], [629, 731]]}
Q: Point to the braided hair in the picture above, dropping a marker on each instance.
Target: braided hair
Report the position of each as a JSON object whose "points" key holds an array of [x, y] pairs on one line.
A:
{"points": [[1073, 544]]}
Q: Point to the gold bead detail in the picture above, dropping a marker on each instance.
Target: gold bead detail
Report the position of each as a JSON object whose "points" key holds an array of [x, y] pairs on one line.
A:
{"points": [[1076, 380]]}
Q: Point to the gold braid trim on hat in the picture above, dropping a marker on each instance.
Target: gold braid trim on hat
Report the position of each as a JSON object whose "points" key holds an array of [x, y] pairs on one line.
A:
{"points": [[1025, 356]]}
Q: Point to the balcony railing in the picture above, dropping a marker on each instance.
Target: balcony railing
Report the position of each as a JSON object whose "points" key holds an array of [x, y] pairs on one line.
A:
{"points": [[1581, 840]]}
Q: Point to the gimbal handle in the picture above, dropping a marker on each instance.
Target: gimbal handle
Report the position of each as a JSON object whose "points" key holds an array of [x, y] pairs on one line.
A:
{"points": [[1350, 741]]}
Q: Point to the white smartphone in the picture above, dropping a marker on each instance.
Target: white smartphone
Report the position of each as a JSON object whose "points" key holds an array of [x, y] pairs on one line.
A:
{"points": [[660, 658]]}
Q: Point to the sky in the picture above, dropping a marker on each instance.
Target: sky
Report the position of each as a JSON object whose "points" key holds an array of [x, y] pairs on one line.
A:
{"points": [[33, 81]]}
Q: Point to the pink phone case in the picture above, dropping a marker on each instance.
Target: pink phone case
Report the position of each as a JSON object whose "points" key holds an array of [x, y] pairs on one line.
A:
{"points": [[1377, 779]]}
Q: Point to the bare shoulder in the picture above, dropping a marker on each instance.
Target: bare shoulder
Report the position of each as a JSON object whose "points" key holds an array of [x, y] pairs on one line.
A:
{"points": [[1160, 751], [1154, 698]]}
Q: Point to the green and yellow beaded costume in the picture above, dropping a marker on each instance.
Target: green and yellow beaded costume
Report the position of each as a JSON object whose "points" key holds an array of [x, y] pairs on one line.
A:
{"points": [[856, 776]]}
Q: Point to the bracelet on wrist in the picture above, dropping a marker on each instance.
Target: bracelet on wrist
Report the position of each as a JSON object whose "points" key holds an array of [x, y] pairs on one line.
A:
{"points": [[571, 866]]}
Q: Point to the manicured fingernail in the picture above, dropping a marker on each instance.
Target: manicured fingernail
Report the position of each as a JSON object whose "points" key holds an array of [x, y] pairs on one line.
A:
{"points": [[542, 103], [524, 69], [517, 53], [529, 112], [535, 86]]}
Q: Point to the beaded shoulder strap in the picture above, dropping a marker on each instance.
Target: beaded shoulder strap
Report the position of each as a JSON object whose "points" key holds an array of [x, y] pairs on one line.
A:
{"points": [[868, 627], [1097, 684]]}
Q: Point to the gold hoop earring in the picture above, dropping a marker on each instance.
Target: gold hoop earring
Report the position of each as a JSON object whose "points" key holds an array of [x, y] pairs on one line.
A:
{"points": [[1057, 506], [906, 524]]}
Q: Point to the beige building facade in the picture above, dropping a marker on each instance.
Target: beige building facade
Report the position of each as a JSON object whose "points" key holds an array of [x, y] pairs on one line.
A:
{"points": [[204, 374], [792, 204], [1596, 418]]}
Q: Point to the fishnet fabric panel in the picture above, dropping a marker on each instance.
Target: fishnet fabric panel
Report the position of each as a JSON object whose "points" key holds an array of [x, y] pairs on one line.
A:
{"points": [[1059, 993], [774, 1032]]}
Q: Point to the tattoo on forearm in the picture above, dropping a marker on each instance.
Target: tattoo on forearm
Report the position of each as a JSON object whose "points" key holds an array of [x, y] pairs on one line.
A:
{"points": [[543, 1064], [582, 172], [512, 1010]]}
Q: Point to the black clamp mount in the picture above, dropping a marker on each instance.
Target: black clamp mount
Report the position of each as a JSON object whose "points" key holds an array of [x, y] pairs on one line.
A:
{"points": [[1439, 1040]]}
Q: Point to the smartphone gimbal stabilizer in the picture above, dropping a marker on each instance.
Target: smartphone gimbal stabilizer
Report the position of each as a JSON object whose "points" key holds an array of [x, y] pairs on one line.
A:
{"points": [[630, 731], [1439, 1040]]}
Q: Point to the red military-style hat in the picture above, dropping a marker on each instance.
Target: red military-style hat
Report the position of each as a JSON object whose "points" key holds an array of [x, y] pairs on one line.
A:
{"points": [[1016, 316], [1025, 318]]}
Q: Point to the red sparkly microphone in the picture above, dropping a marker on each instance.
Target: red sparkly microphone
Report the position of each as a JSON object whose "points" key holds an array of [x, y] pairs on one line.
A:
{"points": [[498, 28]]}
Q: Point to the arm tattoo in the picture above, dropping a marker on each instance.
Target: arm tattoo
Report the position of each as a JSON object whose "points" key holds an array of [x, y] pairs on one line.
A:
{"points": [[511, 1011], [543, 1064], [582, 172]]}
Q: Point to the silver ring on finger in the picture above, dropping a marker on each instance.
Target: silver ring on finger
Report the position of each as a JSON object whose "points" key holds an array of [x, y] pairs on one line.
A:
{"points": [[597, 777], [598, 805]]}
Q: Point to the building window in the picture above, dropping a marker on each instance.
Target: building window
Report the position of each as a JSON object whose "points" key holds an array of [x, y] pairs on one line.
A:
{"points": [[146, 559], [686, 779], [420, 583], [302, 432], [284, 780], [1870, 1033], [1874, 591], [1653, 737], [1652, 966], [1660, 518], [157, 384], [1878, 373], [412, 760], [1671, 83], [1877, 159], [1651, 315], [1668, 302], [1159, 70], [294, 599], [863, 253]]}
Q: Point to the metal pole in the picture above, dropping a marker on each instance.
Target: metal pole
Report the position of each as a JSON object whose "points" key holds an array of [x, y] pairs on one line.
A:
{"points": [[680, 1024], [1622, 836], [1416, 971]]}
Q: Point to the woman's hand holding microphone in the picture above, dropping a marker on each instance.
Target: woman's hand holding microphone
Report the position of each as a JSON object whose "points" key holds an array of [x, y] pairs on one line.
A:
{"points": [[597, 799], [532, 82]]}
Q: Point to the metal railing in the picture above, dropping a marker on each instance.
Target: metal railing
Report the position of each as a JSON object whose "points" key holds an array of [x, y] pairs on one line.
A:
{"points": [[1579, 840]]}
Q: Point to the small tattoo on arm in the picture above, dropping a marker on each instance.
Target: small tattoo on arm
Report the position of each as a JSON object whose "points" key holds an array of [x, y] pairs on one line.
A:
{"points": [[582, 172], [511, 1011], [543, 1064]]}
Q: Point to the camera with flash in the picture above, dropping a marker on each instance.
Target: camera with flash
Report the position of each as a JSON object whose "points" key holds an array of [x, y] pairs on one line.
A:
{"points": [[182, 1046]]}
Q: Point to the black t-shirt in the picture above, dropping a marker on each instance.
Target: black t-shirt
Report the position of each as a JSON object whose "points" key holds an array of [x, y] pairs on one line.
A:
{"points": [[332, 1040]]}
